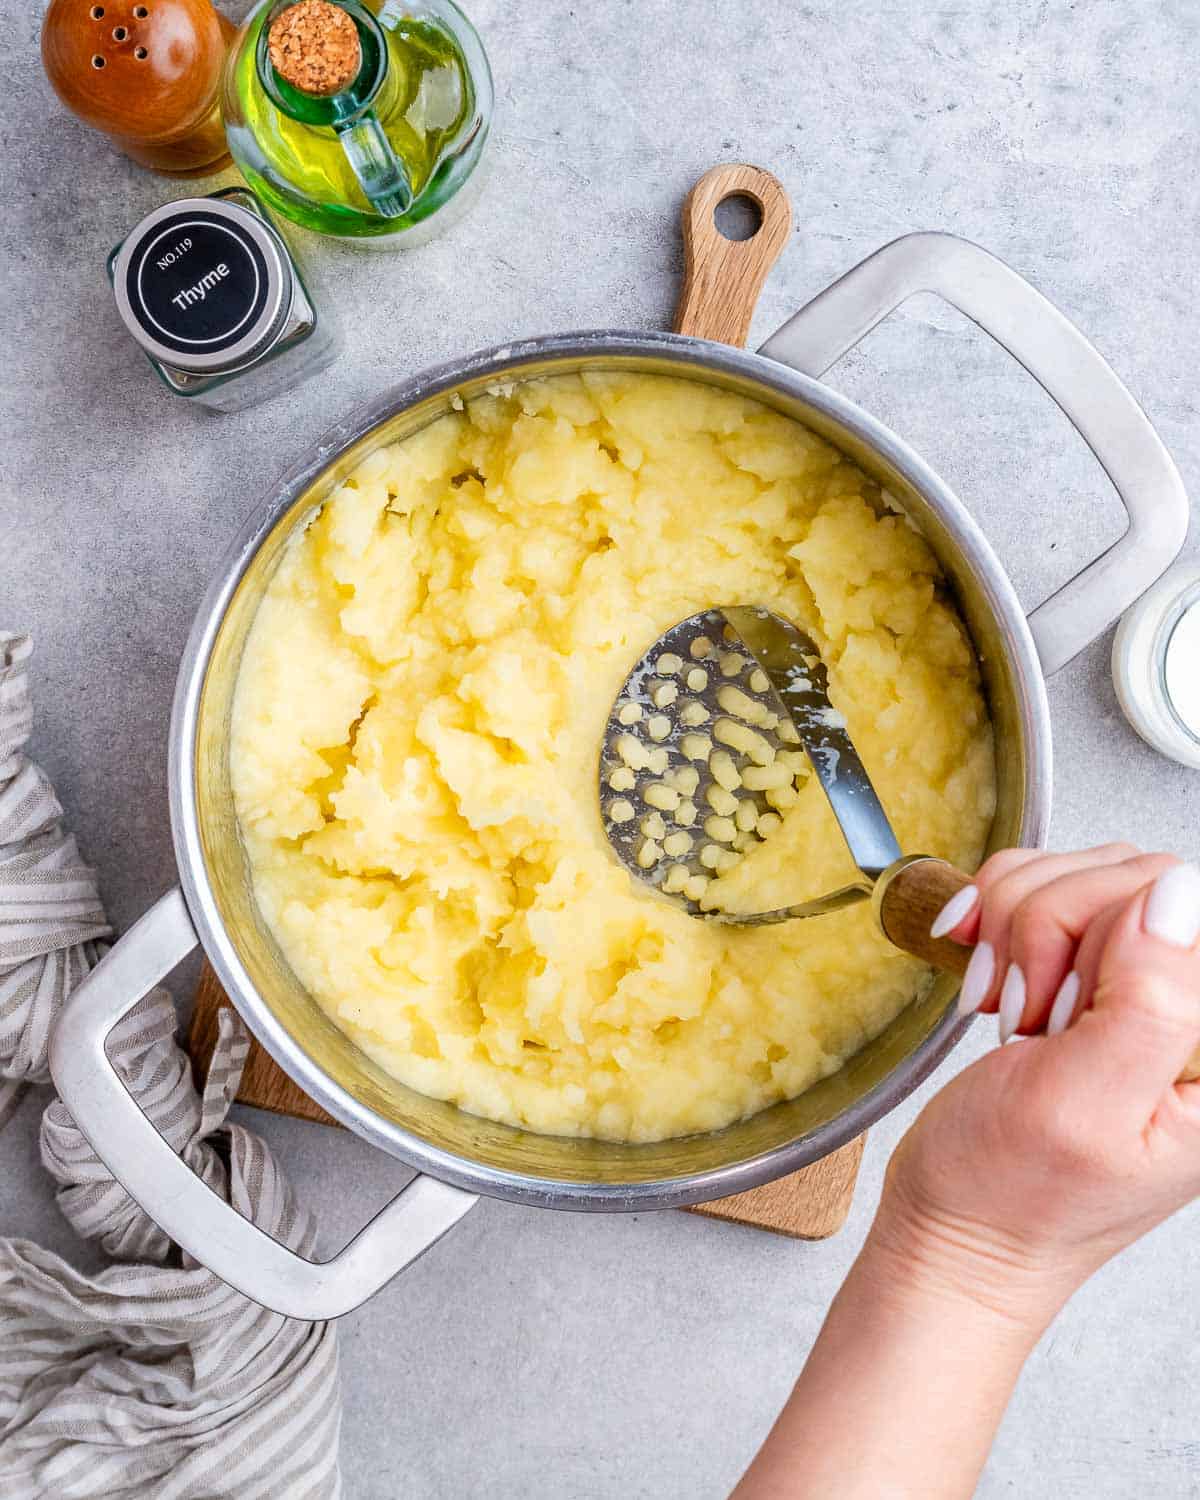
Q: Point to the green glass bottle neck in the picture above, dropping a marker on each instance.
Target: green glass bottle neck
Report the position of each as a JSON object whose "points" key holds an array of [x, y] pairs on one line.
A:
{"points": [[381, 174], [340, 109]]}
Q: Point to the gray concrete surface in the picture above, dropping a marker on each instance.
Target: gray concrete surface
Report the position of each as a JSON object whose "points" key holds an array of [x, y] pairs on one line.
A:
{"points": [[536, 1355]]}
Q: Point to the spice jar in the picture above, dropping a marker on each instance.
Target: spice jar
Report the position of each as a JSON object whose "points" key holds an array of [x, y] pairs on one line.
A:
{"points": [[145, 72], [209, 290], [1156, 665]]}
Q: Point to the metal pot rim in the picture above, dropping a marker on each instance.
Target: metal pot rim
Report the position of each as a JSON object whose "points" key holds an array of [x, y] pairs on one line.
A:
{"points": [[504, 362]]}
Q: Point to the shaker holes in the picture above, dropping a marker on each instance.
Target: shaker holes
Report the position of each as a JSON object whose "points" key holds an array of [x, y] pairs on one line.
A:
{"points": [[140, 53], [140, 12], [119, 33], [97, 12], [97, 61]]}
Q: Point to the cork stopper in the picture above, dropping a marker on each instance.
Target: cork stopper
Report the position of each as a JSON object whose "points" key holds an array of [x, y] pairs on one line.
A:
{"points": [[314, 46]]}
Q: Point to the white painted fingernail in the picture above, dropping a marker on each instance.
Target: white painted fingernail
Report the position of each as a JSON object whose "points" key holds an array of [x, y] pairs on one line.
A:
{"points": [[1173, 906], [978, 979], [1012, 1002], [1064, 1005], [959, 906]]}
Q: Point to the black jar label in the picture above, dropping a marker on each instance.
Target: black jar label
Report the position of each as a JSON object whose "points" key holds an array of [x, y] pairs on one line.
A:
{"points": [[197, 284]]}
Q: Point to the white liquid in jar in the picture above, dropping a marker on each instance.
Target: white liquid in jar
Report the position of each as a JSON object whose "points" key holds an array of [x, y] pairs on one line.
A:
{"points": [[1156, 665], [1181, 670]]}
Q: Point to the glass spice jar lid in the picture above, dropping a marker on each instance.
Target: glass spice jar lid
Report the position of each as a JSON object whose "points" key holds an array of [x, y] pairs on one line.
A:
{"points": [[203, 285]]}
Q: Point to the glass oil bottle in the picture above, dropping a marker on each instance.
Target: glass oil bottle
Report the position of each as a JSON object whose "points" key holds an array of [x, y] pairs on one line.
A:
{"points": [[362, 119]]}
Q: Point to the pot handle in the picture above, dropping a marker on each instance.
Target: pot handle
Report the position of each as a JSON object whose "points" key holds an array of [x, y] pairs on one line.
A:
{"points": [[166, 1187], [1070, 370]]}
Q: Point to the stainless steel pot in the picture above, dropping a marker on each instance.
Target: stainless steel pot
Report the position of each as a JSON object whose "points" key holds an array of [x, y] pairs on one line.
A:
{"points": [[459, 1155]]}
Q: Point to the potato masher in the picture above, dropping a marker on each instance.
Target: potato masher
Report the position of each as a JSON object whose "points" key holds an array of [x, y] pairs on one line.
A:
{"points": [[700, 757]]}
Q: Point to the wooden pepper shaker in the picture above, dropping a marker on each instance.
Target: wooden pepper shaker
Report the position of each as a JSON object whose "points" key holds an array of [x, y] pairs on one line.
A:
{"points": [[145, 72]]}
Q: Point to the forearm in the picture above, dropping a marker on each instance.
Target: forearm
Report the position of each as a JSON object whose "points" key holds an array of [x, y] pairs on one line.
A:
{"points": [[901, 1395]]}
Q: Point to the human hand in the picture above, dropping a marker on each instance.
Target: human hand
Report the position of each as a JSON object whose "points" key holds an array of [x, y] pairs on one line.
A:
{"points": [[1044, 1159]]}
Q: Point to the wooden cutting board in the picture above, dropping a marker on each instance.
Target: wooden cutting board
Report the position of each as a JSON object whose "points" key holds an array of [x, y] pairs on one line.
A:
{"points": [[722, 280]]}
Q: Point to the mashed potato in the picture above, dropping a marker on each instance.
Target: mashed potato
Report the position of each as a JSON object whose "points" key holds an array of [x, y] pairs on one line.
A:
{"points": [[416, 732]]}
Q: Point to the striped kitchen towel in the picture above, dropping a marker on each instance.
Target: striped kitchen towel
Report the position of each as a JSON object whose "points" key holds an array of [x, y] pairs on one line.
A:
{"points": [[50, 912], [151, 1379]]}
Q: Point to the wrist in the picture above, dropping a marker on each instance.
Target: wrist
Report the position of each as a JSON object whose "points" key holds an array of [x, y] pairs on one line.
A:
{"points": [[915, 1353], [933, 1264]]}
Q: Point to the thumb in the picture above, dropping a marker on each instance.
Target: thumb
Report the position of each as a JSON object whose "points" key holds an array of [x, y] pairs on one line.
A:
{"points": [[1144, 1024]]}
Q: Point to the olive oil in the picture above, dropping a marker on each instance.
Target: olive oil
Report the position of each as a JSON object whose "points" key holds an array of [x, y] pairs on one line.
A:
{"points": [[383, 157]]}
